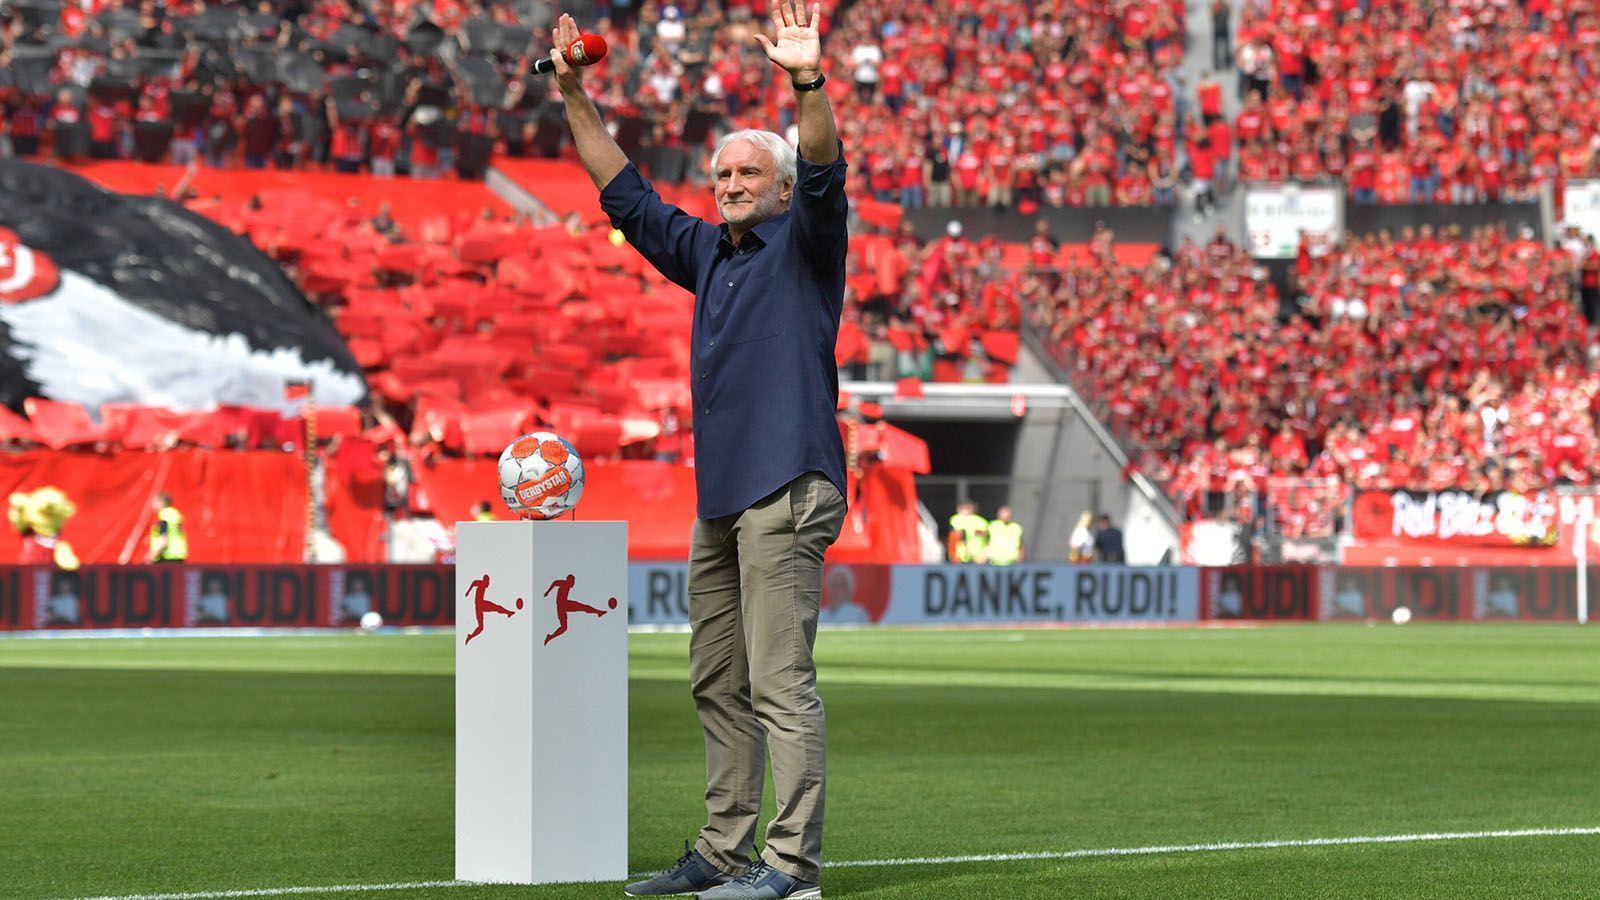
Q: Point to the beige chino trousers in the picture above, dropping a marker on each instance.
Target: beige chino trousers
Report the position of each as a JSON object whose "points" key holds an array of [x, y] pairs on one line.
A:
{"points": [[755, 584]]}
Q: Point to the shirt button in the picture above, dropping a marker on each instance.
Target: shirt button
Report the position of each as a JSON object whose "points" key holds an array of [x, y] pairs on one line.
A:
{"points": [[702, 376], [706, 411], [730, 284], [713, 343]]}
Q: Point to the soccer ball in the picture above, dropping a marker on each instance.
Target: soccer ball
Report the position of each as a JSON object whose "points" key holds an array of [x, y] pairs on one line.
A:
{"points": [[541, 476], [371, 620], [1401, 615]]}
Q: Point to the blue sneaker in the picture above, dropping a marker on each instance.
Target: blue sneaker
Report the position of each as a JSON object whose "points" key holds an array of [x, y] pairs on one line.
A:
{"points": [[763, 882], [690, 874]]}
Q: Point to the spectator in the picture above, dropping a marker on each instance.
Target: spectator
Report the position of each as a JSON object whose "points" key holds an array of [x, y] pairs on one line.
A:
{"points": [[1004, 544], [1108, 541], [259, 132], [1080, 544], [1589, 282], [968, 534], [168, 541], [1221, 34], [65, 121]]}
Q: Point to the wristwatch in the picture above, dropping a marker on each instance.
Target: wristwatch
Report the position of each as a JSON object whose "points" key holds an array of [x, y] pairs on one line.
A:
{"points": [[811, 85]]}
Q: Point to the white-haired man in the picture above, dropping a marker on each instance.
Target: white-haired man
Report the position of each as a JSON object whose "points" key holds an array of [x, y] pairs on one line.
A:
{"points": [[769, 289]]}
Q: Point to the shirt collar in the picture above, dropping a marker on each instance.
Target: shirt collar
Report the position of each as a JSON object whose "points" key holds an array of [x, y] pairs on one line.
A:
{"points": [[763, 232]]}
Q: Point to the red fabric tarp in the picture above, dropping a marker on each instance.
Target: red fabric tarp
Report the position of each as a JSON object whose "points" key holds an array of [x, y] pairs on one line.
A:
{"points": [[60, 424], [410, 203], [238, 506], [893, 446], [881, 525], [657, 500], [353, 493]]}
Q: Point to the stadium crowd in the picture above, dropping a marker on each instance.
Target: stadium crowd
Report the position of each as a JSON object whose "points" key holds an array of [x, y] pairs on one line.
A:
{"points": [[376, 87], [941, 310], [1001, 103], [1418, 102], [1006, 104], [1423, 361]]}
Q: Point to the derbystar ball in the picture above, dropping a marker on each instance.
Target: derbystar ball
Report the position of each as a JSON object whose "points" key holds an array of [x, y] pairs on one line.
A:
{"points": [[371, 621], [541, 476], [1402, 615]]}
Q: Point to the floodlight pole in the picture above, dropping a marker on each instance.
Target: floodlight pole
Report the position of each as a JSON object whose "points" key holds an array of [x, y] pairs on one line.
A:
{"points": [[1581, 551]]}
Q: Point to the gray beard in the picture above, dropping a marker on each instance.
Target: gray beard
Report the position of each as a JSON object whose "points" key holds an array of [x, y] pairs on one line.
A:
{"points": [[763, 209]]}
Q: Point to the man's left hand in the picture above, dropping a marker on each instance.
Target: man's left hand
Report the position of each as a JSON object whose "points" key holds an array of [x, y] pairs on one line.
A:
{"points": [[797, 43]]}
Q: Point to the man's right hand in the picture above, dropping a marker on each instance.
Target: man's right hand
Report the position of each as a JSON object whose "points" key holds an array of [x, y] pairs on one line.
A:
{"points": [[565, 32]]}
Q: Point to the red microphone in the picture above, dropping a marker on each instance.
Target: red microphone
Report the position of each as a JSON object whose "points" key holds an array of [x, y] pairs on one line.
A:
{"points": [[587, 50]]}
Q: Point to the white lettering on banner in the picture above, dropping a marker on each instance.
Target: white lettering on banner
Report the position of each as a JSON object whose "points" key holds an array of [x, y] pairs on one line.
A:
{"points": [[1412, 517], [1463, 515], [1454, 514], [1526, 518]]}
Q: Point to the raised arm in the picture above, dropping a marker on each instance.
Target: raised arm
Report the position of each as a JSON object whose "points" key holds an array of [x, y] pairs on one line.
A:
{"points": [[796, 46], [598, 150]]}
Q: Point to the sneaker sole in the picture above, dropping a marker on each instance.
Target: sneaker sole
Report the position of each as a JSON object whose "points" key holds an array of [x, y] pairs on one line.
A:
{"points": [[807, 894], [691, 893]]}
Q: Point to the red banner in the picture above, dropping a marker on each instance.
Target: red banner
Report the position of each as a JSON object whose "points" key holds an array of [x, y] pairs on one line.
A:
{"points": [[237, 505], [1500, 519], [179, 596], [1360, 593]]}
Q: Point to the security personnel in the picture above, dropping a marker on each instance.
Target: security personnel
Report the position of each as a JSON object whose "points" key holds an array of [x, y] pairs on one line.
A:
{"points": [[482, 512], [1005, 539], [968, 531], [167, 541]]}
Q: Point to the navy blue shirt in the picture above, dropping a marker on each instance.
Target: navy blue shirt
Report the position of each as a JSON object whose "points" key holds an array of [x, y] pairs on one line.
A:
{"points": [[766, 317]]}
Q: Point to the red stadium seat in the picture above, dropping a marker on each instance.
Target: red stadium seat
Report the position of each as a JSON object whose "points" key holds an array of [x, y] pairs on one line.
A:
{"points": [[487, 432]]}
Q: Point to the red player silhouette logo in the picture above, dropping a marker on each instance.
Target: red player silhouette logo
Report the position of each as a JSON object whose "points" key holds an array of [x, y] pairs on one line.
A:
{"points": [[481, 606], [564, 606]]}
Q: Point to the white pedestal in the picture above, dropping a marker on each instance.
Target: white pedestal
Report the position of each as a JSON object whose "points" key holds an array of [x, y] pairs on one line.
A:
{"points": [[541, 721]]}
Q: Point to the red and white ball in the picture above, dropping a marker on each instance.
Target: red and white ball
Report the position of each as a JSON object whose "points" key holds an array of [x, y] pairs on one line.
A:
{"points": [[541, 476]]}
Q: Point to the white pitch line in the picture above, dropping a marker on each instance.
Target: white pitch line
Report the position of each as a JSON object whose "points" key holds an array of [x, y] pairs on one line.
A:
{"points": [[1423, 837], [280, 892], [1208, 848]]}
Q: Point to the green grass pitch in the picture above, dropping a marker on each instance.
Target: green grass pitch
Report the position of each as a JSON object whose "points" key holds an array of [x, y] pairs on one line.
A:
{"points": [[193, 764]]}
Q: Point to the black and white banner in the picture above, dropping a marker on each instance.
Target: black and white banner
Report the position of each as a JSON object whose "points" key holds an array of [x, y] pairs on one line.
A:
{"points": [[106, 298]]}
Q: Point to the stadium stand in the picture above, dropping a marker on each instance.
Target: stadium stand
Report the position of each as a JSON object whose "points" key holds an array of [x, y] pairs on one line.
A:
{"points": [[1430, 361], [1010, 105], [1415, 102], [381, 87], [1426, 362], [474, 327], [948, 113]]}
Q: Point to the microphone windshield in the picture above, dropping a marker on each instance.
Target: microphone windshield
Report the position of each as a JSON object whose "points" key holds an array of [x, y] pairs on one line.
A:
{"points": [[587, 50]]}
